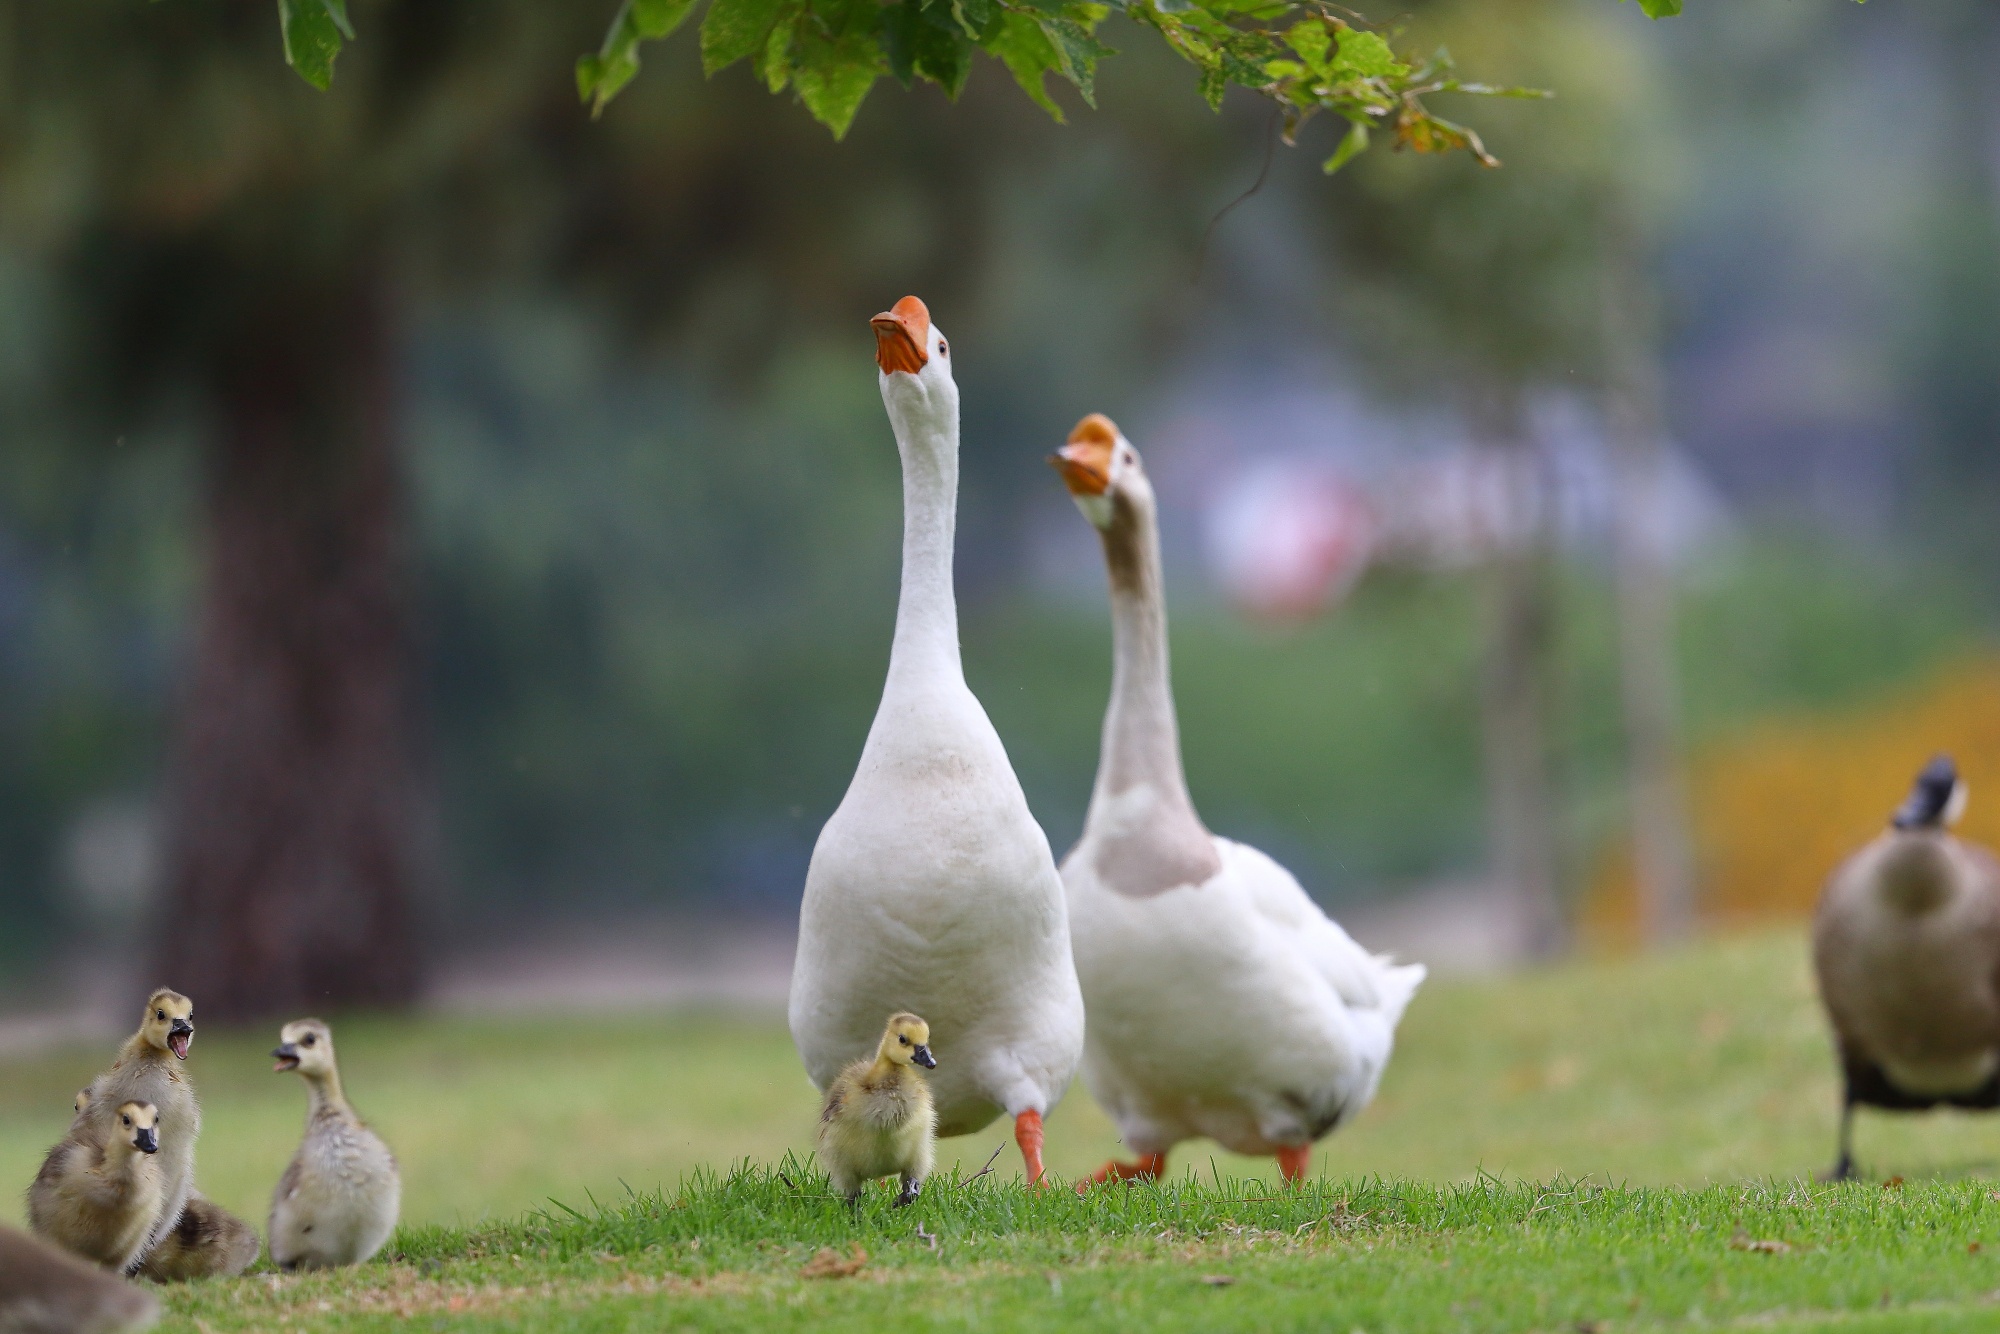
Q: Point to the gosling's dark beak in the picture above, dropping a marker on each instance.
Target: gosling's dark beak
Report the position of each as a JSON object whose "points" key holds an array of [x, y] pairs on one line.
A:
{"points": [[288, 1057], [148, 1140], [179, 1035], [921, 1054]]}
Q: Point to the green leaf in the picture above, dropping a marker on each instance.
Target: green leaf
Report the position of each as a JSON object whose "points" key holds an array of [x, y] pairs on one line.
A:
{"points": [[1077, 54], [1660, 9], [979, 19], [774, 61], [925, 42], [1214, 83], [599, 77], [1352, 144], [1026, 51], [312, 31], [1365, 55], [1311, 40], [833, 90], [734, 29]]}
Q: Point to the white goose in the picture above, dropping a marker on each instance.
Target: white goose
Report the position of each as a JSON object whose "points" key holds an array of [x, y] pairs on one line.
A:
{"points": [[1222, 1001], [932, 889]]}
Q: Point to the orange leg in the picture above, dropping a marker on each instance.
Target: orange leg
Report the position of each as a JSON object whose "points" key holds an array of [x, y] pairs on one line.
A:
{"points": [[1293, 1164], [1028, 1134], [1150, 1167]]}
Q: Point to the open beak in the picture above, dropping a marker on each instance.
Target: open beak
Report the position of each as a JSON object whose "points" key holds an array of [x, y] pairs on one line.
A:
{"points": [[1081, 472], [902, 336], [148, 1140], [288, 1058], [921, 1054], [179, 1036]]}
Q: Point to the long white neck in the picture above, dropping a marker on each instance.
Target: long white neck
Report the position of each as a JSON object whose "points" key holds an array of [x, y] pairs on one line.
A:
{"points": [[926, 643], [1142, 740]]}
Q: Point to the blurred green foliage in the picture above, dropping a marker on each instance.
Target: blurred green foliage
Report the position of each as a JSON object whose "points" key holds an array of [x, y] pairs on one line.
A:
{"points": [[1309, 58]]}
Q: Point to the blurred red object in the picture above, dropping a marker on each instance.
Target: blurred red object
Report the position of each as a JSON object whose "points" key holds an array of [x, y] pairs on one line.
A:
{"points": [[1290, 538]]}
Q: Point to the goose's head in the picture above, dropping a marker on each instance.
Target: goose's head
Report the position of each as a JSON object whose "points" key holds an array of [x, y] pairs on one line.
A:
{"points": [[304, 1045], [82, 1099], [1936, 800], [915, 361], [907, 1041], [1100, 468], [139, 1125], [169, 1022]]}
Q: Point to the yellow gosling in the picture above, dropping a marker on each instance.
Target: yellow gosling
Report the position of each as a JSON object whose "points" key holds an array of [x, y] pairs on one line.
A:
{"points": [[208, 1242], [878, 1120], [148, 1070], [100, 1198], [338, 1200]]}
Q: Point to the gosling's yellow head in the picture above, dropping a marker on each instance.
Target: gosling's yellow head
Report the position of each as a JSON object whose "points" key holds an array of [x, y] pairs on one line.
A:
{"points": [[82, 1099], [169, 1022], [139, 1123], [907, 1040], [305, 1045]]}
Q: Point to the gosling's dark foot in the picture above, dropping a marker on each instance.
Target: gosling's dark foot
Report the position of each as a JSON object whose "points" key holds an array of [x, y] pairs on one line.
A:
{"points": [[908, 1196], [1840, 1171]]}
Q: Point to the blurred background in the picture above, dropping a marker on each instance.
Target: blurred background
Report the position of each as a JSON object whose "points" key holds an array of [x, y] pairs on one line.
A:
{"points": [[448, 546]]}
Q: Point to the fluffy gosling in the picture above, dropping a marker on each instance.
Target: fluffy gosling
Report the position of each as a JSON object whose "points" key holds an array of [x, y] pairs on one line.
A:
{"points": [[337, 1202], [100, 1198], [148, 1070], [208, 1242], [878, 1119], [47, 1291]]}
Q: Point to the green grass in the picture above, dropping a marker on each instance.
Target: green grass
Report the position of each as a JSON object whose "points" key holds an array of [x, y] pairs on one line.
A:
{"points": [[737, 1252], [1674, 1102]]}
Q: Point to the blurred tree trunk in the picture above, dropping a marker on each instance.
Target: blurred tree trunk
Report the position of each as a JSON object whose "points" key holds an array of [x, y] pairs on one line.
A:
{"points": [[1520, 616], [295, 859], [1655, 782]]}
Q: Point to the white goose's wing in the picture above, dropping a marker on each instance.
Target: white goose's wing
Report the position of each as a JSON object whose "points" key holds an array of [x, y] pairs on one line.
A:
{"points": [[1364, 982]]}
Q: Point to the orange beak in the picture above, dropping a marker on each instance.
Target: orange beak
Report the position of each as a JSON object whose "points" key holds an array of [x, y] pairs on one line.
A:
{"points": [[1085, 462], [902, 336]]}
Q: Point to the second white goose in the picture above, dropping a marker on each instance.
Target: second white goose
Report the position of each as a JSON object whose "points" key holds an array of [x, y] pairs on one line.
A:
{"points": [[1222, 1001], [931, 888]]}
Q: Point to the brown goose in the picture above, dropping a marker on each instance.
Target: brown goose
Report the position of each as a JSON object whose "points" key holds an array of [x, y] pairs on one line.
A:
{"points": [[1906, 945], [47, 1291]]}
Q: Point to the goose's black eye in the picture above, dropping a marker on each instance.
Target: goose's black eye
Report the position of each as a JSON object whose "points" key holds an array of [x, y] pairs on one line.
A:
{"points": [[944, 350], [159, 1014], [903, 1038], [310, 1039]]}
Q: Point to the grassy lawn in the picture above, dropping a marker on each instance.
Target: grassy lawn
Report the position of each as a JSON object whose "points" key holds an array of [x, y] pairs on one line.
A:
{"points": [[1595, 1145]]}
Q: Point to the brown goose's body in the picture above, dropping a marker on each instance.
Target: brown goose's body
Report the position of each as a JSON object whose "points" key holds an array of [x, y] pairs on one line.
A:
{"points": [[46, 1291], [1906, 947]]}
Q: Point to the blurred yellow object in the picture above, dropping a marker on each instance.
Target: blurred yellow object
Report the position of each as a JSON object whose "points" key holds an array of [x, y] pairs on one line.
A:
{"points": [[1777, 806]]}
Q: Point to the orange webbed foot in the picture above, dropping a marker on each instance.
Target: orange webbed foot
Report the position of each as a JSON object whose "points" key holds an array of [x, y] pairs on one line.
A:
{"points": [[1294, 1163], [1149, 1167]]}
